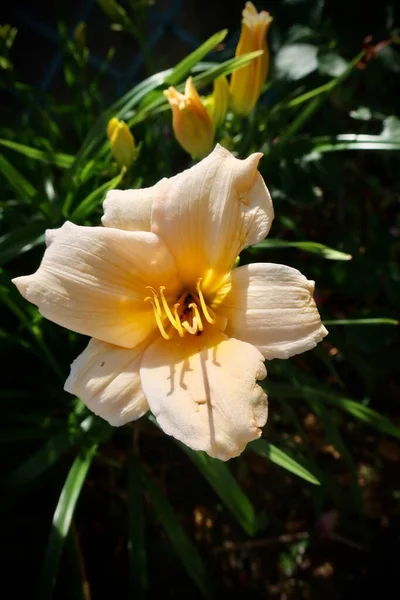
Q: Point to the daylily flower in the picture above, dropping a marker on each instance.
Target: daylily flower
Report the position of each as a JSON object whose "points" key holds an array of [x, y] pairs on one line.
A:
{"points": [[246, 83], [175, 329], [122, 142], [192, 123]]}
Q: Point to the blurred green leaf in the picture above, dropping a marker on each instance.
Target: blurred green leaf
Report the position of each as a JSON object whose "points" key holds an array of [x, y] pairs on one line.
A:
{"points": [[380, 321], [17, 241], [356, 409], [93, 200], [183, 546], [225, 485], [183, 68], [17, 182], [73, 432], [200, 81], [352, 141], [283, 459], [326, 87], [53, 158], [62, 519], [312, 247]]}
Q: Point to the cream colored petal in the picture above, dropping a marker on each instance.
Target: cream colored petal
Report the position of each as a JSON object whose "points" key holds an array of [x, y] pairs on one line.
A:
{"points": [[93, 280], [203, 391], [130, 209], [208, 213], [106, 378], [272, 307]]}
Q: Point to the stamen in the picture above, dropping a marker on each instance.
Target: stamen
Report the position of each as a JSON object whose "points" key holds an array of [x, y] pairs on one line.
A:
{"points": [[197, 316], [174, 321], [190, 328], [156, 300], [157, 316], [204, 307], [178, 321]]}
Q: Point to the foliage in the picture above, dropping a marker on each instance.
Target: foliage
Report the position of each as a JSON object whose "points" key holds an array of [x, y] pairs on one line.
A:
{"points": [[328, 143]]}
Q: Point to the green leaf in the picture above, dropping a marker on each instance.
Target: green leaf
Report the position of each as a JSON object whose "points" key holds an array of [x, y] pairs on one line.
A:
{"points": [[352, 141], [180, 71], [16, 242], [225, 485], [200, 81], [356, 409], [136, 533], [97, 135], [47, 156], [62, 519], [181, 543], [92, 201], [74, 431], [380, 321], [282, 458], [335, 438], [312, 247], [17, 182], [327, 87], [363, 413]]}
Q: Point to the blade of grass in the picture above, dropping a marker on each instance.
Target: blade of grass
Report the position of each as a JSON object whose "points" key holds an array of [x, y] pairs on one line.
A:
{"points": [[200, 81], [317, 101], [17, 182], [15, 243], [92, 201], [352, 141], [181, 543], [377, 321], [334, 437], [282, 458], [78, 429], [327, 87], [356, 409], [46, 156], [225, 485], [182, 68], [312, 247], [62, 520]]}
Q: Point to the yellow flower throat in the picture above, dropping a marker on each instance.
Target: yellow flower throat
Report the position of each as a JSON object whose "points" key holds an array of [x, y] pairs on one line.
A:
{"points": [[186, 315]]}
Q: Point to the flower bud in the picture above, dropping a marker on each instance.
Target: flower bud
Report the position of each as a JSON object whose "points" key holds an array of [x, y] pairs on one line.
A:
{"points": [[191, 121], [218, 102], [122, 142], [246, 83]]}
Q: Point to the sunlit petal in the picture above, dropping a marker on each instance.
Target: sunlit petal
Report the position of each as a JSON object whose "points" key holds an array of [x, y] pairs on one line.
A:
{"points": [[208, 213], [272, 307], [93, 280], [106, 378], [203, 391], [130, 209]]}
